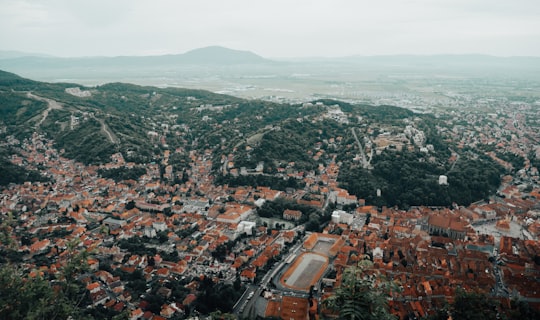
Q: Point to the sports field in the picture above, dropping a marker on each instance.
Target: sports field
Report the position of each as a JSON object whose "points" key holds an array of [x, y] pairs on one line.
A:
{"points": [[323, 247], [306, 270]]}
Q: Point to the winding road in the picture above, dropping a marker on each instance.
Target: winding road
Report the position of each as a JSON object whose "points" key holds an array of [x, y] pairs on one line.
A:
{"points": [[51, 105], [105, 129], [55, 105]]}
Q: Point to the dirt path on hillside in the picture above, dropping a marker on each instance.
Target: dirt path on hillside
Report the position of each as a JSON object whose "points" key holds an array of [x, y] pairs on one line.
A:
{"points": [[105, 129], [51, 105], [55, 105]]}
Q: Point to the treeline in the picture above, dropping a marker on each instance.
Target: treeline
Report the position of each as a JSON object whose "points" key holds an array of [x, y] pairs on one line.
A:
{"points": [[475, 305], [275, 209], [293, 142], [122, 173], [535, 162], [64, 297], [313, 218], [60, 296], [383, 113], [11, 173], [216, 296], [137, 246], [515, 160], [15, 108], [86, 144], [275, 183], [408, 179], [283, 147]]}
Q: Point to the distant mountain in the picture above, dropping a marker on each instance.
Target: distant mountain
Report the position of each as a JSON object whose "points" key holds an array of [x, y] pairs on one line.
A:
{"points": [[98, 70], [204, 56], [220, 55], [246, 74]]}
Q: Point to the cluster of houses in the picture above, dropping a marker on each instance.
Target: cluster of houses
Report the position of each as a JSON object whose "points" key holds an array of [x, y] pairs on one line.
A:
{"points": [[431, 252]]}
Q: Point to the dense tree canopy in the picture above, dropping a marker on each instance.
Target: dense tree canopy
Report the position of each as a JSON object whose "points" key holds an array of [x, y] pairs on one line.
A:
{"points": [[10, 173], [361, 295], [122, 173], [216, 297], [25, 295], [409, 179], [276, 183]]}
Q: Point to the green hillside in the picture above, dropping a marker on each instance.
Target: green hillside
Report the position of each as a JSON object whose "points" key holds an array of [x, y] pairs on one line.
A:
{"points": [[266, 142]]}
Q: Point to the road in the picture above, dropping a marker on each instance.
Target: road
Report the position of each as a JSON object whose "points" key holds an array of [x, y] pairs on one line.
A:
{"points": [[51, 105], [365, 162], [453, 164], [55, 105], [105, 129], [245, 306], [241, 304]]}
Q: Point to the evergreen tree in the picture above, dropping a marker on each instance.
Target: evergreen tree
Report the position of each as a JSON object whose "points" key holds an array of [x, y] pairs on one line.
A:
{"points": [[362, 294], [473, 306]]}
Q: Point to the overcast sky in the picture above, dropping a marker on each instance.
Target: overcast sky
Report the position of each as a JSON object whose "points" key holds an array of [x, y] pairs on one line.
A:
{"points": [[271, 28]]}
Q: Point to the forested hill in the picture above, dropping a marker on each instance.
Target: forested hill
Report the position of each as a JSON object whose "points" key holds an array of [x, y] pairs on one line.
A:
{"points": [[249, 141]]}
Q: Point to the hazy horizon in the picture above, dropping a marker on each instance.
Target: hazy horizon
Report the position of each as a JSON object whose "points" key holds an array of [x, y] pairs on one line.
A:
{"points": [[18, 53], [278, 29]]}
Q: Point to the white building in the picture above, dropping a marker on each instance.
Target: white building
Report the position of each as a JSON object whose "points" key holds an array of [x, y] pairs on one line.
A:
{"points": [[260, 202], [443, 180], [340, 216], [378, 253], [159, 226], [150, 232], [342, 197], [245, 227]]}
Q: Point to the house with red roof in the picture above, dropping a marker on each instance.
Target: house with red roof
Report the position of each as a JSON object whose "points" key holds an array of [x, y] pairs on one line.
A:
{"points": [[292, 214], [248, 275]]}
